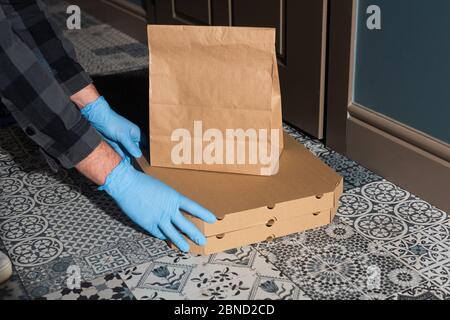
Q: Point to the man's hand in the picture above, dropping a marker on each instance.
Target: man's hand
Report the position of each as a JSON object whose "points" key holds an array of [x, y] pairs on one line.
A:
{"points": [[116, 129], [113, 126], [155, 206], [148, 202]]}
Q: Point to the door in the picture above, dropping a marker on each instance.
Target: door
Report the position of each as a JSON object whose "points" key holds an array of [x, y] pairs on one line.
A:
{"points": [[301, 29], [388, 73]]}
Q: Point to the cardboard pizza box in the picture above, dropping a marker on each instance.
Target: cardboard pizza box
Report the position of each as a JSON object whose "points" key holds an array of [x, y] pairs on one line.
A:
{"points": [[303, 195]]}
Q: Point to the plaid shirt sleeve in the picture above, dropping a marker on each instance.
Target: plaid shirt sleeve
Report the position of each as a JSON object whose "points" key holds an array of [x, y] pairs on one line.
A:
{"points": [[37, 30], [39, 102]]}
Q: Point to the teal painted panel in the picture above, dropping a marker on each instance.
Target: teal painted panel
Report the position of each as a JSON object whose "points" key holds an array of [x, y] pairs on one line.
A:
{"points": [[403, 70]]}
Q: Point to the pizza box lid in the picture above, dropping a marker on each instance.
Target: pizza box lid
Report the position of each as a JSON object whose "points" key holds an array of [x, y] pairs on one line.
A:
{"points": [[304, 185]]}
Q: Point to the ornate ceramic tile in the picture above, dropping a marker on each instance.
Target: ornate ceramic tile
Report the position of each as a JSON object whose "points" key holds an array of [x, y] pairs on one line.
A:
{"points": [[328, 285], [45, 278], [275, 288], [379, 275], [291, 257], [243, 257], [315, 274], [310, 251], [94, 222], [235, 274], [424, 291], [13, 289], [116, 256], [384, 212], [439, 274], [424, 249], [336, 239], [313, 145], [109, 287], [339, 254]]}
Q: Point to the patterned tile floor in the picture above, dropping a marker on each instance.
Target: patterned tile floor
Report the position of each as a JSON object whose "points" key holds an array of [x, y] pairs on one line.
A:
{"points": [[385, 243], [69, 241]]}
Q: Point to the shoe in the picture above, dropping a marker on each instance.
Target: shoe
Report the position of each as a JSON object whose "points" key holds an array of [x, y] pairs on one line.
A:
{"points": [[5, 267]]}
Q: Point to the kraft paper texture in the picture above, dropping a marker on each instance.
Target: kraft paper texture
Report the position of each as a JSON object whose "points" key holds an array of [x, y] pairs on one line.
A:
{"points": [[224, 77]]}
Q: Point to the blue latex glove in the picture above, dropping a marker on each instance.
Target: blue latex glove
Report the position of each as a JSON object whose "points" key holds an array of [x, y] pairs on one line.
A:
{"points": [[155, 206], [112, 126]]}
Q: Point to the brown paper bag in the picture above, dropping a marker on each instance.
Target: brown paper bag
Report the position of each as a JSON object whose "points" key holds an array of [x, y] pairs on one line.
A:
{"points": [[215, 100]]}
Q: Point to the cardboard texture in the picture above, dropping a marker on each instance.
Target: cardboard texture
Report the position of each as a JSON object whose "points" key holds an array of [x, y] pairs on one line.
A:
{"points": [[225, 77], [304, 194]]}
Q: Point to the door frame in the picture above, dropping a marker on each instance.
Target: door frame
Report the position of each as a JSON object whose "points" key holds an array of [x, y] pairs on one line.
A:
{"points": [[339, 49], [397, 152]]}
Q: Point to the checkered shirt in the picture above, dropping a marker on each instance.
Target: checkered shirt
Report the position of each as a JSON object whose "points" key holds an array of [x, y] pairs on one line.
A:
{"points": [[38, 74]]}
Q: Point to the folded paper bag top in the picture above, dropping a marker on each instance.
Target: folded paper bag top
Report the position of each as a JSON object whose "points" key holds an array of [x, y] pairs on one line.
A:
{"points": [[215, 100]]}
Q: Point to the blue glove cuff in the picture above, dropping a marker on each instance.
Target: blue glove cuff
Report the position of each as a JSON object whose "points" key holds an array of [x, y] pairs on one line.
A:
{"points": [[88, 110], [116, 177]]}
